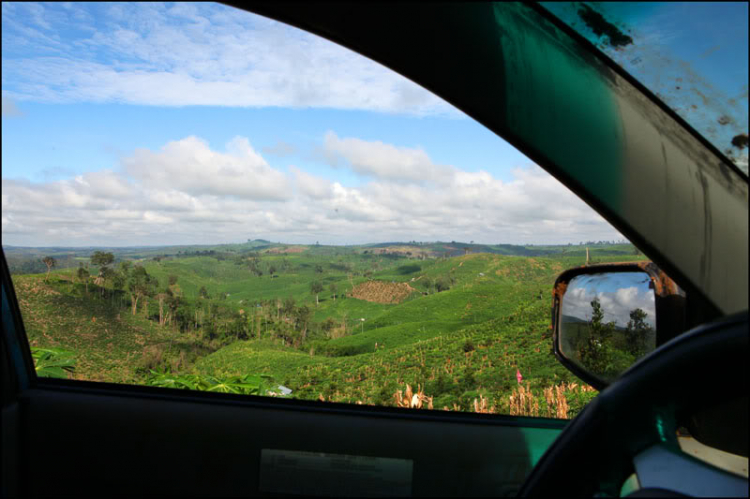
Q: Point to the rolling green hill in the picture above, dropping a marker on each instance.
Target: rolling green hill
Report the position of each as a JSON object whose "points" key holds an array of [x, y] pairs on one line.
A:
{"points": [[458, 345], [458, 329]]}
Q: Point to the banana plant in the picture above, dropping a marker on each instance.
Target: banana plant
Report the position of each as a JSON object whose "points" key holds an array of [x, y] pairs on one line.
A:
{"points": [[53, 362], [246, 385]]}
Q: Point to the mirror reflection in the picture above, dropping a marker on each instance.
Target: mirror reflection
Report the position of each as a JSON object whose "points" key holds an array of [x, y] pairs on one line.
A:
{"points": [[608, 321]]}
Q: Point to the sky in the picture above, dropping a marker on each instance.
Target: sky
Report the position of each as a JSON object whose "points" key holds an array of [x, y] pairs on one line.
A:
{"points": [[691, 55], [156, 124], [618, 293]]}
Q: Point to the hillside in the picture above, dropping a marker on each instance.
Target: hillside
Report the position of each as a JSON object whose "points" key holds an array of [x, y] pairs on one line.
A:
{"points": [[458, 345], [108, 344], [330, 323]]}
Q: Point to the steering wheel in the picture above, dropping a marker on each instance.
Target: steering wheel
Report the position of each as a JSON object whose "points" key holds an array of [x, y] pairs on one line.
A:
{"points": [[632, 424]]}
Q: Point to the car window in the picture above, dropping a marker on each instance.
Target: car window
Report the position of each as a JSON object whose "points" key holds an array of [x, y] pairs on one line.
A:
{"points": [[195, 197], [698, 68]]}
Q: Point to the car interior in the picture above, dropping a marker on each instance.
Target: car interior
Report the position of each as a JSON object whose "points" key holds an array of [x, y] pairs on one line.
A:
{"points": [[528, 77]]}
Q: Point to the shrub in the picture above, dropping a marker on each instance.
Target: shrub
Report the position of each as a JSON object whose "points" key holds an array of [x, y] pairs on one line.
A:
{"points": [[153, 357]]}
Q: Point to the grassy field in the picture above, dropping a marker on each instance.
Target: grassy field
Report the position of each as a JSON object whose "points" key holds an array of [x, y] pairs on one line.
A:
{"points": [[457, 331]]}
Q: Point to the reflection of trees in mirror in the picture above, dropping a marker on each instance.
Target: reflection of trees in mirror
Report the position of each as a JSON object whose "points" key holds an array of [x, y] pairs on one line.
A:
{"points": [[592, 351], [637, 333], [607, 354]]}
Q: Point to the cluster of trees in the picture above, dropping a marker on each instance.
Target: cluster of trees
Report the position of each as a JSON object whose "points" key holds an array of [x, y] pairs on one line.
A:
{"points": [[607, 353], [130, 286], [258, 267], [274, 319], [316, 287], [438, 284], [139, 291], [129, 279]]}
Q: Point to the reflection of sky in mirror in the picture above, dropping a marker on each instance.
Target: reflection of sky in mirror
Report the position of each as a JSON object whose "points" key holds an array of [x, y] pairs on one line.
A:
{"points": [[618, 293]]}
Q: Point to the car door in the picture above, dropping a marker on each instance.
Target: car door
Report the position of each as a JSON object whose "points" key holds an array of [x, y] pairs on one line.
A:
{"points": [[65, 438], [76, 437]]}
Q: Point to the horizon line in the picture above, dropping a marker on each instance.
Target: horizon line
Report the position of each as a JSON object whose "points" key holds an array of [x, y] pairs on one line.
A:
{"points": [[316, 244]]}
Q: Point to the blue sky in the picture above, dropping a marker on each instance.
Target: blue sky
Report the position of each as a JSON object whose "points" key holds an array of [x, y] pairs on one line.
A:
{"points": [[53, 141], [132, 124], [619, 294]]}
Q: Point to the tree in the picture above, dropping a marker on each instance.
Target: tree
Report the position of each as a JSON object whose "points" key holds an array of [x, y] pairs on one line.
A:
{"points": [[102, 259], [139, 285], [49, 262], [594, 350], [173, 303], [118, 280], [162, 297], [125, 267], [442, 284], [303, 317], [105, 274], [319, 269], [288, 308], [83, 275], [637, 332], [316, 288], [172, 280], [333, 288]]}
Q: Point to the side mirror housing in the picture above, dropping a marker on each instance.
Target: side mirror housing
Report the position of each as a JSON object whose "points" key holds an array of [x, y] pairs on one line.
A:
{"points": [[606, 317]]}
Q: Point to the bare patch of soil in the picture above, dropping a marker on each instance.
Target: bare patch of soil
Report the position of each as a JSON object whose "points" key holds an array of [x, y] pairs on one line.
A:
{"points": [[382, 292]]}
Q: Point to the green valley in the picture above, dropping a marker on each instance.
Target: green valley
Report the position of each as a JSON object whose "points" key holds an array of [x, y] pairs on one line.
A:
{"points": [[423, 325]]}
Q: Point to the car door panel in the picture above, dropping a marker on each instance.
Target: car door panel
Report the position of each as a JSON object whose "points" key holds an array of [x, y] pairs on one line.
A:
{"points": [[80, 439]]}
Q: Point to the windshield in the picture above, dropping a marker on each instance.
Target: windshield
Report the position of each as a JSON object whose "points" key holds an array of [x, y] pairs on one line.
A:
{"points": [[692, 56]]}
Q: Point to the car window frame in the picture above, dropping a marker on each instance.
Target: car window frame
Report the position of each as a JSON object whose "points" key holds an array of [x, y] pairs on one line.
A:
{"points": [[26, 375]]}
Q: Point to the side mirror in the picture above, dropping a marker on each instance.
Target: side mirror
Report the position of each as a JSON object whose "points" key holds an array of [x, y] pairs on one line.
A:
{"points": [[606, 317]]}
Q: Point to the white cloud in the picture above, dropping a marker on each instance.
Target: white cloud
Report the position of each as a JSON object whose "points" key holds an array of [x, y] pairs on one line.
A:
{"points": [[191, 166], [310, 185], [191, 54], [377, 159], [187, 192]]}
